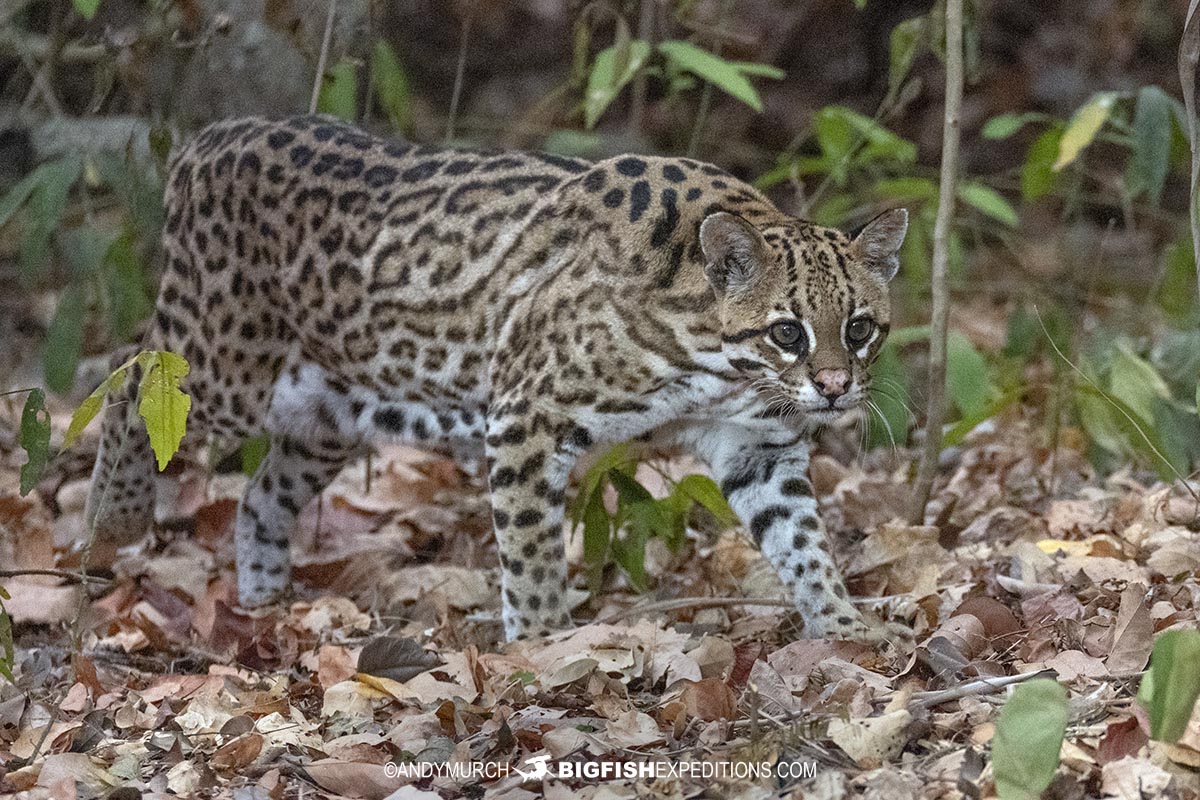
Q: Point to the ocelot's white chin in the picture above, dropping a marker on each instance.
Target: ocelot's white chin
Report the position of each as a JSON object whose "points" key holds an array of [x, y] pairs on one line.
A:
{"points": [[824, 414]]}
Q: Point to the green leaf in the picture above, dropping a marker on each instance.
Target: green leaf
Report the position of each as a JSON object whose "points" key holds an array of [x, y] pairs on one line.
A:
{"points": [[64, 340], [705, 491], [967, 376], [905, 190], [607, 78], [847, 139], [1038, 176], [253, 451], [391, 85], [339, 91], [1028, 740], [989, 201], [759, 70], [1171, 687], [124, 285], [46, 205], [92, 404], [1177, 289], [723, 74], [1134, 381], [1083, 127], [1151, 143], [906, 42], [86, 8], [597, 537], [35, 439], [162, 405], [1005, 125], [1116, 427]]}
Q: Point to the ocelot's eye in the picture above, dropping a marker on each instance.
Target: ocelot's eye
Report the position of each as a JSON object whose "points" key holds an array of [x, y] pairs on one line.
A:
{"points": [[787, 334], [859, 331]]}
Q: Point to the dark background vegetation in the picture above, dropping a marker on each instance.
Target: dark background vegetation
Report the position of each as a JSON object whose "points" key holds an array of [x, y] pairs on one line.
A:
{"points": [[1089, 257]]}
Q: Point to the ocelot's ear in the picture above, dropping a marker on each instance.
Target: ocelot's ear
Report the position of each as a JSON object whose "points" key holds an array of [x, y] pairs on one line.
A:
{"points": [[878, 243], [734, 252]]}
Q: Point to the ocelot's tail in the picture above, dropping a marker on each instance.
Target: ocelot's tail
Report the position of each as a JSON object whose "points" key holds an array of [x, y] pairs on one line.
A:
{"points": [[121, 500]]}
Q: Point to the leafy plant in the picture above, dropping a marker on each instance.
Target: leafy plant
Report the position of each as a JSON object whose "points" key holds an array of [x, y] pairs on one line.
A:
{"points": [[35, 439], [1172, 684], [621, 536], [105, 268], [676, 62], [1029, 735], [162, 405]]}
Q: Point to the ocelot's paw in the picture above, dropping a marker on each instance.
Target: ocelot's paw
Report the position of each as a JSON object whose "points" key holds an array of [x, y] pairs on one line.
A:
{"points": [[520, 628], [254, 596], [847, 622]]}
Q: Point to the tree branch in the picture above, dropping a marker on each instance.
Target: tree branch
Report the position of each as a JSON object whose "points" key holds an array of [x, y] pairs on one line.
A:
{"points": [[936, 408]]}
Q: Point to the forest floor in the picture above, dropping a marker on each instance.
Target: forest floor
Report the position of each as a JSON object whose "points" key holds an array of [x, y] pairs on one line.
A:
{"points": [[392, 654]]}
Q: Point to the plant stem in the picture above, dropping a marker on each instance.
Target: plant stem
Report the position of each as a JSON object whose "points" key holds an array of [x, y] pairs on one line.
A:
{"points": [[1189, 58], [936, 408], [323, 58], [460, 73], [637, 104]]}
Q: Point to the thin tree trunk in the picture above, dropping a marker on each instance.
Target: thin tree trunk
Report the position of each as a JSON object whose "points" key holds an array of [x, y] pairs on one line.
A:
{"points": [[936, 409]]}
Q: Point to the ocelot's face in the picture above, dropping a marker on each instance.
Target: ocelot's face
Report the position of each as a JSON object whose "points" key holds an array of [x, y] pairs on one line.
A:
{"points": [[804, 309]]}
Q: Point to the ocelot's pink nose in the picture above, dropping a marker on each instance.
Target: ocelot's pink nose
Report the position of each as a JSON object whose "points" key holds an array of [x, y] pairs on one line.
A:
{"points": [[832, 383]]}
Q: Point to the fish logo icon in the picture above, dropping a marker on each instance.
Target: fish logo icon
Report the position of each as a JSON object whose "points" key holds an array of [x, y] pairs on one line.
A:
{"points": [[536, 768]]}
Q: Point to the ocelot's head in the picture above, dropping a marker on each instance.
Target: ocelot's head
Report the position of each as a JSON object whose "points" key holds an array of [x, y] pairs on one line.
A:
{"points": [[804, 309]]}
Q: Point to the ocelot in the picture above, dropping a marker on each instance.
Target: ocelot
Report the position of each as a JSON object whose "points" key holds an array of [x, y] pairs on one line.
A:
{"points": [[333, 288]]}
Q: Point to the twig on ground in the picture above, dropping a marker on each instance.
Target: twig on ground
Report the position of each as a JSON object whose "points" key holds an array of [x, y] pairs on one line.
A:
{"points": [[981, 686], [74, 577], [694, 602], [935, 410]]}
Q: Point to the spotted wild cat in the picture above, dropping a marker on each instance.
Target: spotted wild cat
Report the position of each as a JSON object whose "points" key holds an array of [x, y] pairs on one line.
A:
{"points": [[333, 288]]}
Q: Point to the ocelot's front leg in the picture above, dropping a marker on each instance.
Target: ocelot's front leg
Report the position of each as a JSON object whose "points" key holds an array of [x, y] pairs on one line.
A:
{"points": [[530, 462], [764, 477]]}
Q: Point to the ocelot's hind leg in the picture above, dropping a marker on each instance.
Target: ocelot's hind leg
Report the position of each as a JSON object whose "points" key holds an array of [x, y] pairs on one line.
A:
{"points": [[312, 438]]}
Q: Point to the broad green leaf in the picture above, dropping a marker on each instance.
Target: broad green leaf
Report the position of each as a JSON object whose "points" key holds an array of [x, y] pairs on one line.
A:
{"points": [[989, 201], [1029, 734], [339, 91], [723, 74], [1135, 382], [46, 204], [1038, 176], [391, 85], [1116, 427], [705, 491], [1179, 431], [597, 536], [1083, 127], [905, 190], [1177, 289], [616, 457], [605, 82], [35, 439], [162, 405], [92, 404], [967, 376], [959, 430], [124, 284], [86, 8], [1005, 125], [1151, 143], [905, 45], [840, 131], [1171, 687], [64, 340], [253, 451], [16, 196]]}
